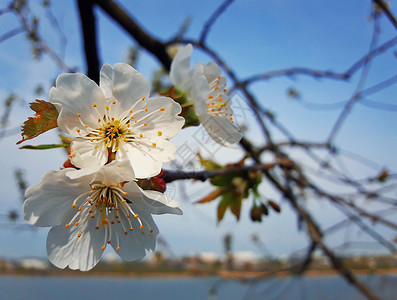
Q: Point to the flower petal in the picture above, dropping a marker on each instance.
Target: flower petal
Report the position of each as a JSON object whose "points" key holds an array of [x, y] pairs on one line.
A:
{"points": [[83, 153], [211, 71], [133, 245], [106, 80], [65, 248], [222, 130], [163, 119], [146, 159], [180, 73], [50, 202], [158, 203], [128, 85], [116, 172], [76, 93]]}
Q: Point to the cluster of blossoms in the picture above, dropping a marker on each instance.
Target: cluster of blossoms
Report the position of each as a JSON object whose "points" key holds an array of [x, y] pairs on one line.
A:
{"points": [[119, 134]]}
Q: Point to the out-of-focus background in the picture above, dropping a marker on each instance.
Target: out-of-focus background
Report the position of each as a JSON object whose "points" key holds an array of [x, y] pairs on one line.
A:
{"points": [[251, 37]]}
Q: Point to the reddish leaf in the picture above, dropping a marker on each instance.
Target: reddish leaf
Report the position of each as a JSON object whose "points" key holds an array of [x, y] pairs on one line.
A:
{"points": [[212, 196], [44, 120], [275, 206]]}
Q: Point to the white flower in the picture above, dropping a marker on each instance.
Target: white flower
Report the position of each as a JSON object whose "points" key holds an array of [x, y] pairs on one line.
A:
{"points": [[205, 86], [93, 210], [116, 117]]}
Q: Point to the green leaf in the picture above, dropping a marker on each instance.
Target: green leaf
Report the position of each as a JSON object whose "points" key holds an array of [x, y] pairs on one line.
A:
{"points": [[208, 164], [44, 147], [222, 206], [44, 120], [188, 111]]}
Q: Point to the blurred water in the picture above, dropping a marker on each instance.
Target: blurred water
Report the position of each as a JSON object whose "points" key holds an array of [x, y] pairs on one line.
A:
{"points": [[290, 288]]}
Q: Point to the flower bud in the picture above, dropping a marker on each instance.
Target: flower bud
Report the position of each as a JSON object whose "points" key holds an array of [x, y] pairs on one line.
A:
{"points": [[256, 214]]}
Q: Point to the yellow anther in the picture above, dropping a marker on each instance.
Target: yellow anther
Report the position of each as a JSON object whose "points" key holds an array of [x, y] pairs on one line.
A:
{"points": [[107, 107], [136, 216], [210, 97], [85, 126], [159, 133], [96, 147], [79, 209], [145, 109], [132, 117], [67, 225], [154, 144], [103, 248], [104, 222], [74, 205], [79, 235], [143, 98], [162, 109], [94, 105], [117, 148], [219, 77], [131, 111], [114, 102], [141, 226], [215, 88], [141, 135], [144, 124], [79, 115], [77, 224], [78, 130], [125, 194], [118, 248], [220, 99]]}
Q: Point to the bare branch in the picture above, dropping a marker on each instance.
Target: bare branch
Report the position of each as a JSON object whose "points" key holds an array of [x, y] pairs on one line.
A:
{"points": [[136, 31], [88, 25], [383, 6], [207, 26], [11, 33]]}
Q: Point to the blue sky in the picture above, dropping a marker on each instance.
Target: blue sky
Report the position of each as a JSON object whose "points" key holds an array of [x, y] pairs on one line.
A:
{"points": [[253, 37]]}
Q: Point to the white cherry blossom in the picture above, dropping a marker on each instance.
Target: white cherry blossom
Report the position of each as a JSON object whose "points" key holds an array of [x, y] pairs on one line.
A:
{"points": [[117, 117], [205, 86], [93, 210]]}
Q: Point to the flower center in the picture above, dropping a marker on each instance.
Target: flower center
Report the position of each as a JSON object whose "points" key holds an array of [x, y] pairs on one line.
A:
{"points": [[112, 131], [218, 99], [105, 206]]}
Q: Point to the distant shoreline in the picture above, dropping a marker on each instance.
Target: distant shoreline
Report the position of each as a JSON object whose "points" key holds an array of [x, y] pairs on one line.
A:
{"points": [[222, 274]]}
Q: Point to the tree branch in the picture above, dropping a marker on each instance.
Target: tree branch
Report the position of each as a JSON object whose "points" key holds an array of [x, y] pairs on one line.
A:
{"points": [[136, 31], [88, 25]]}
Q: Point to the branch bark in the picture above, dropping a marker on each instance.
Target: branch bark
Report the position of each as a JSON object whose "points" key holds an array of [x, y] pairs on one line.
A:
{"points": [[88, 25]]}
